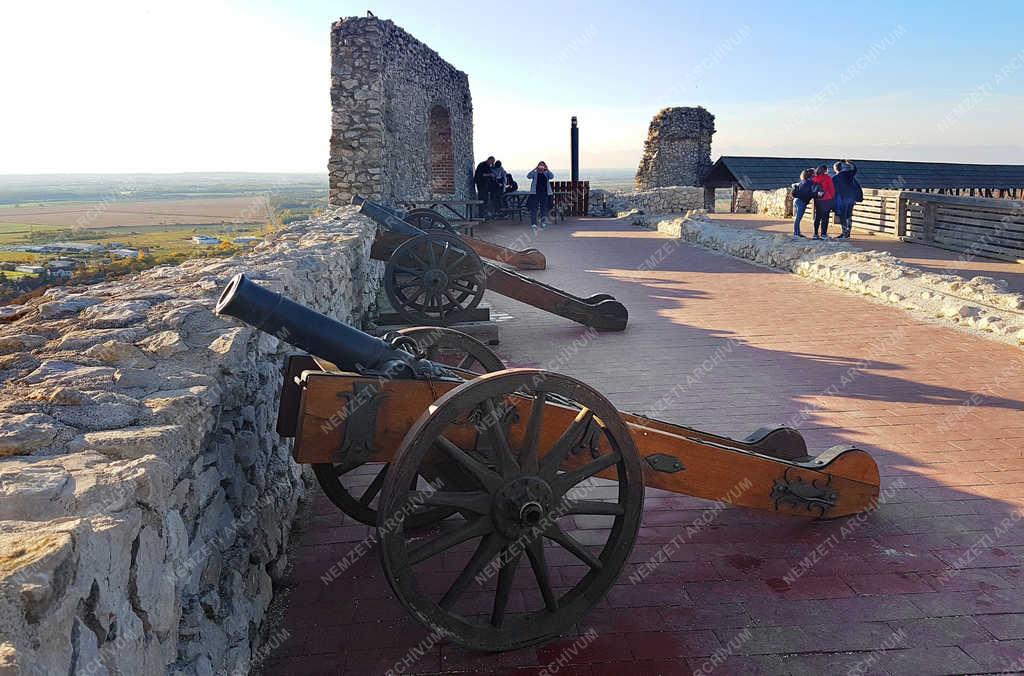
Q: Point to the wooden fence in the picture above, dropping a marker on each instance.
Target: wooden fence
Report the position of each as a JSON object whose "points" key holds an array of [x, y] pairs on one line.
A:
{"points": [[989, 227], [570, 202], [877, 212]]}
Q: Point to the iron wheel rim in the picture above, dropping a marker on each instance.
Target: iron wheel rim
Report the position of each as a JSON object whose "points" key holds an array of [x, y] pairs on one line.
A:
{"points": [[329, 475], [434, 279], [428, 219], [559, 610]]}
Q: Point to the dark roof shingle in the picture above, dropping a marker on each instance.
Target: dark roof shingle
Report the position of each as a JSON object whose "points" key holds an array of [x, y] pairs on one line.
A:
{"points": [[769, 173]]}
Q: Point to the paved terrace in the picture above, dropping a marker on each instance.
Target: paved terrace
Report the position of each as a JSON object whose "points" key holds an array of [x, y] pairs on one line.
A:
{"points": [[935, 574], [930, 258]]}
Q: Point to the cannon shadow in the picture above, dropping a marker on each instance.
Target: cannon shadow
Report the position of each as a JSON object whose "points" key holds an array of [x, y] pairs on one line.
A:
{"points": [[931, 579]]}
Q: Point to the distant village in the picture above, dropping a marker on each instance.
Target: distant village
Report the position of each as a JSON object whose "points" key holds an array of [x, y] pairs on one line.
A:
{"points": [[69, 256]]}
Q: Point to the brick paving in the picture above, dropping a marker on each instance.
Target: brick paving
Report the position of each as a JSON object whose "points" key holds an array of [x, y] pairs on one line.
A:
{"points": [[930, 583]]}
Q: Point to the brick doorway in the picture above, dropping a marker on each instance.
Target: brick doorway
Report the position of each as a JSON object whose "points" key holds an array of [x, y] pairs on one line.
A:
{"points": [[442, 158]]}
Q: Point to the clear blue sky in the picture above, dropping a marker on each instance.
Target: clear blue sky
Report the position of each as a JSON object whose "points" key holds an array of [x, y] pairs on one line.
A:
{"points": [[232, 85]]}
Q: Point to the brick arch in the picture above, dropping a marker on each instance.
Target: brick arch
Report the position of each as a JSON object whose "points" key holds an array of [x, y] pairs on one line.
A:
{"points": [[442, 156]]}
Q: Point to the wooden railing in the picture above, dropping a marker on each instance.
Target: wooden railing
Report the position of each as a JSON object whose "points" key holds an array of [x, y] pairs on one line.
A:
{"points": [[877, 212], [990, 227], [570, 202], [985, 227]]}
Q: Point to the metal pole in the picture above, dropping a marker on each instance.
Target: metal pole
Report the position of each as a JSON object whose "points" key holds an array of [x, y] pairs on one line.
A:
{"points": [[574, 144]]}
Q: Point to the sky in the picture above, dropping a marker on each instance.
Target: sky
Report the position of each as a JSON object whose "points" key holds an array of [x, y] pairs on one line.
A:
{"points": [[232, 85]]}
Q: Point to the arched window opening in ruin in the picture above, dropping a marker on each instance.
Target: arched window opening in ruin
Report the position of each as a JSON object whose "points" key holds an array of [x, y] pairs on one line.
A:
{"points": [[442, 157]]}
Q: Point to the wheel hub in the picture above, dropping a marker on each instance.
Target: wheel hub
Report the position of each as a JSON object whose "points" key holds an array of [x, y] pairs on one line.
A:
{"points": [[435, 279], [520, 505]]}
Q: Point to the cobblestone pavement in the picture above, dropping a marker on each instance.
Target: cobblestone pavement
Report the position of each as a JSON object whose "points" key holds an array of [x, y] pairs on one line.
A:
{"points": [[931, 582]]}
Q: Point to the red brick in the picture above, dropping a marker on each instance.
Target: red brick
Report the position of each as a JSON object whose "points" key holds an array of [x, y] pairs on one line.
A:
{"points": [[998, 655], [887, 583], [729, 575], [1003, 627], [653, 645]]}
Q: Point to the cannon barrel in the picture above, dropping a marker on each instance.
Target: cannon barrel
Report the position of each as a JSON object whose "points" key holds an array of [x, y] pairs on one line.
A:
{"points": [[346, 347], [387, 218]]}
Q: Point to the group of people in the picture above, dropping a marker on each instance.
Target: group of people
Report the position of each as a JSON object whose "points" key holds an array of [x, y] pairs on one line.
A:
{"points": [[493, 183], [837, 192]]}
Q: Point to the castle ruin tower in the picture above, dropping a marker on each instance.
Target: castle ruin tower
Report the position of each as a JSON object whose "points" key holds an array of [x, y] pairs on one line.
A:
{"points": [[678, 148]]}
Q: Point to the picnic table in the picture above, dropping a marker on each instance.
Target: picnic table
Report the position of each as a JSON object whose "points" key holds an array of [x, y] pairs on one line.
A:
{"points": [[516, 202], [460, 210]]}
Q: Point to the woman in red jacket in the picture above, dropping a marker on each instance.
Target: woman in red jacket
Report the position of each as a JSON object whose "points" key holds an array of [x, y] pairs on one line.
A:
{"points": [[823, 205]]}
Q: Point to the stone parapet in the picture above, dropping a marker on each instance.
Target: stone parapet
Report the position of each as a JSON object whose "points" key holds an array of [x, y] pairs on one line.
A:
{"points": [[145, 497]]}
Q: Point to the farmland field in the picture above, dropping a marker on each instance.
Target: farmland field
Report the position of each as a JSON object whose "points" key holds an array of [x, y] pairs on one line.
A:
{"points": [[108, 214], [154, 214], [160, 239]]}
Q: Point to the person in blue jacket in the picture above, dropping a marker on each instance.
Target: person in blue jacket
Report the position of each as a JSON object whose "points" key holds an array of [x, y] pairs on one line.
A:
{"points": [[540, 194], [803, 192], [848, 193]]}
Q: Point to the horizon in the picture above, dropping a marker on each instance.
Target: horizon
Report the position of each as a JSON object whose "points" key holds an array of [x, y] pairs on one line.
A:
{"points": [[232, 87]]}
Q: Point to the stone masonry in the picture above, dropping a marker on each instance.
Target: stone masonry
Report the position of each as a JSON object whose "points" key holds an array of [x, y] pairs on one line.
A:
{"points": [[675, 199], [678, 148], [777, 203], [402, 120], [145, 498]]}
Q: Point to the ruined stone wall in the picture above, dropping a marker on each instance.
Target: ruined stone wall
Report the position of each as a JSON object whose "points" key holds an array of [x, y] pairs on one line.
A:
{"points": [[678, 148], [402, 117], [145, 498], [777, 203], [744, 202], [674, 199]]}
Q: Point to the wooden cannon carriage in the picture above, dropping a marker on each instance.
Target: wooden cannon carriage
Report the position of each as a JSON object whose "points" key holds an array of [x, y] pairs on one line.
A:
{"points": [[437, 276], [469, 468]]}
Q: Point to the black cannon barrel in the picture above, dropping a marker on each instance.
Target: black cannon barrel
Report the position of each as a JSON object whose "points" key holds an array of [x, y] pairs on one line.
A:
{"points": [[388, 218], [346, 347]]}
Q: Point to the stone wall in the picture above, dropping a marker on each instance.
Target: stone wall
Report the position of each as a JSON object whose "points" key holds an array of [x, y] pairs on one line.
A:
{"points": [[402, 117], [145, 499], [674, 199], [678, 148], [744, 203], [777, 203]]}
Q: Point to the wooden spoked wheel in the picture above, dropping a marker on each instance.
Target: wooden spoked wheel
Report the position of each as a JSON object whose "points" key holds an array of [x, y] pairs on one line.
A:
{"points": [[354, 488], [455, 349], [434, 279], [428, 219], [533, 442]]}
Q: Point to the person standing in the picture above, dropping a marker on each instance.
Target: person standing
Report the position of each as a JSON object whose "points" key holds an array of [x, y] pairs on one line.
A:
{"points": [[803, 193], [498, 187], [540, 194], [482, 179], [848, 193], [823, 205]]}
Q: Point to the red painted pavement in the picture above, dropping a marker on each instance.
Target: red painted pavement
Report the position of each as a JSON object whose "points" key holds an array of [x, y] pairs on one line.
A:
{"points": [[930, 583]]}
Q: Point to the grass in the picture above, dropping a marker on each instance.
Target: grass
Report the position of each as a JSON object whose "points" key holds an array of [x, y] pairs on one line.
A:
{"points": [[161, 239], [19, 233], [20, 257], [14, 274]]}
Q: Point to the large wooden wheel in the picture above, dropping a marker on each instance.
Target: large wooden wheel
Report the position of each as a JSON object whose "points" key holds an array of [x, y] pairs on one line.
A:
{"points": [[355, 488], [428, 219], [434, 278], [454, 349], [533, 492]]}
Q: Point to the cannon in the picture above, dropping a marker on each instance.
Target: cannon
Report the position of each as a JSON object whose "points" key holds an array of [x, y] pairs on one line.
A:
{"points": [[437, 277], [495, 474], [421, 221]]}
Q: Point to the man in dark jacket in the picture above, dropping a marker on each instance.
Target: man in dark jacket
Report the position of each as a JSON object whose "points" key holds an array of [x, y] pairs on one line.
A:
{"points": [[484, 179], [848, 193], [803, 192]]}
